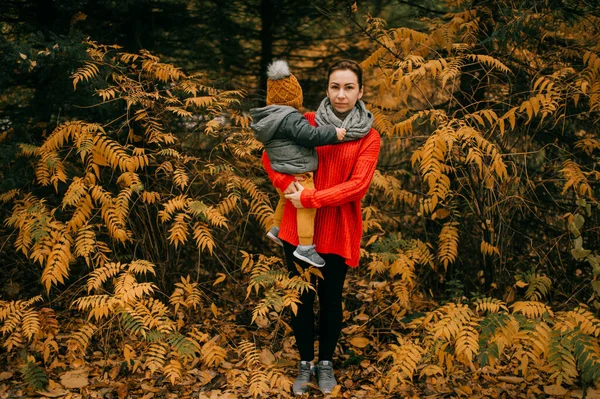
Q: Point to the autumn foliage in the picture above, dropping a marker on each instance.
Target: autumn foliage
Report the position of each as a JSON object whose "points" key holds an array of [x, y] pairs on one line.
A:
{"points": [[480, 263]]}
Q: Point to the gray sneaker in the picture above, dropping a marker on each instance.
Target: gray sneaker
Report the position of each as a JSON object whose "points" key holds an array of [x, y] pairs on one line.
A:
{"points": [[273, 234], [325, 376], [309, 255], [305, 373]]}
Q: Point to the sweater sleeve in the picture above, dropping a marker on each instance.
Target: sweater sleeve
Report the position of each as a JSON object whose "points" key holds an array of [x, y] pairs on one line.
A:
{"points": [[307, 135], [279, 180], [353, 189]]}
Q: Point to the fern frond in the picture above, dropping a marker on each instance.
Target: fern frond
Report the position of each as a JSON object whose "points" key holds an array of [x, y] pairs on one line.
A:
{"points": [[588, 145], [453, 319], [80, 339], [87, 72], [490, 305], [575, 179], [155, 357], [490, 62], [56, 268], [406, 358], [186, 294], [581, 318], [176, 204], [531, 309], [34, 375], [561, 361], [179, 230], [448, 244], [213, 354]]}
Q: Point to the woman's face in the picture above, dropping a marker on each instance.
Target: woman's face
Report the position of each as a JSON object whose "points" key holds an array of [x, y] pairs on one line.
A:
{"points": [[343, 90]]}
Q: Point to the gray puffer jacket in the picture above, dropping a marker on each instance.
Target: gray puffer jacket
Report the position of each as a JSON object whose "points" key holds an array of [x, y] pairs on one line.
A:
{"points": [[289, 139]]}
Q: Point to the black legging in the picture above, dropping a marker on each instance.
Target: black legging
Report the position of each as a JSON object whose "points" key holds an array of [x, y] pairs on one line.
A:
{"points": [[329, 290]]}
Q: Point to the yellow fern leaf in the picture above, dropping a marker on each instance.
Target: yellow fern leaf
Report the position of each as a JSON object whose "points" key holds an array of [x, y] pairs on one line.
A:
{"points": [[448, 244], [173, 371], [89, 71], [179, 230], [203, 237], [531, 309]]}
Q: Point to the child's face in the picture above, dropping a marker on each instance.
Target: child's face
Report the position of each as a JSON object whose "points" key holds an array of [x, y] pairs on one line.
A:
{"points": [[343, 90]]}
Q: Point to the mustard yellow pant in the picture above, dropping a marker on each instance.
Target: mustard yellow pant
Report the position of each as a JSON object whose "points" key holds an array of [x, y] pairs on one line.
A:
{"points": [[305, 216]]}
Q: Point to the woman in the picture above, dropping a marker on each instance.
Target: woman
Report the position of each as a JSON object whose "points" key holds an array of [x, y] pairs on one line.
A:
{"points": [[341, 180]]}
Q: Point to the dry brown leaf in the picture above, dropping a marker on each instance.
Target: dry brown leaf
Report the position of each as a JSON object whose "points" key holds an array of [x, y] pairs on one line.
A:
{"points": [[53, 394], [335, 393], [114, 372], [362, 317], [54, 390], [590, 394], [266, 357], [74, 379], [123, 390], [206, 376], [149, 388], [5, 375], [359, 342], [510, 379], [555, 390]]}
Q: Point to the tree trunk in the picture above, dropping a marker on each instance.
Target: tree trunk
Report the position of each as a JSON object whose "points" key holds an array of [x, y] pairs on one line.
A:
{"points": [[267, 11]]}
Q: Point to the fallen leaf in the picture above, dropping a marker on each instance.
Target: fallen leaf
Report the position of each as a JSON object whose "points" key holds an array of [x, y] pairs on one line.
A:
{"points": [[122, 391], [206, 376], [359, 342], [510, 379], [74, 379], [361, 317], [56, 393], [5, 375], [335, 392], [149, 388], [589, 394], [555, 390], [266, 357], [114, 372]]}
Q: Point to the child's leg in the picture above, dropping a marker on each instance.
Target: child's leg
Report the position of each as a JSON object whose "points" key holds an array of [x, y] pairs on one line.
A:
{"points": [[278, 214], [306, 216]]}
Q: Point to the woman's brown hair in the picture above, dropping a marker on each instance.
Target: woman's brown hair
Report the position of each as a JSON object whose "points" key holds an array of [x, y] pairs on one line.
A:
{"points": [[343, 65]]}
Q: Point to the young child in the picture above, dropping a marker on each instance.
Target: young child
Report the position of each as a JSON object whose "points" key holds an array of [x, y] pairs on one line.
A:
{"points": [[290, 143]]}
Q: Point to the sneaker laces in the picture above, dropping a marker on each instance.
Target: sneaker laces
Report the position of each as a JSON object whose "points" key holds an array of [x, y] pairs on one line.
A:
{"points": [[326, 373], [305, 372]]}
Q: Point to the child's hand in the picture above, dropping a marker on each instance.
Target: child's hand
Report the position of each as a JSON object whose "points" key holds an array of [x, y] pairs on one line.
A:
{"points": [[341, 133]]}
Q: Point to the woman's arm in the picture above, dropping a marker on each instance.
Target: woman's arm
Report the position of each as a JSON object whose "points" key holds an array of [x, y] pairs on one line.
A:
{"points": [[353, 189], [280, 180]]}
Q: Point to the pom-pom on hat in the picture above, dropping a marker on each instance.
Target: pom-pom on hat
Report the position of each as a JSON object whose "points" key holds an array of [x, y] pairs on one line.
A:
{"points": [[283, 87]]}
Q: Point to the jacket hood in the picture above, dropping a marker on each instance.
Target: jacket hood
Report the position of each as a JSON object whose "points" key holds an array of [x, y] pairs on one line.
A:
{"points": [[266, 120]]}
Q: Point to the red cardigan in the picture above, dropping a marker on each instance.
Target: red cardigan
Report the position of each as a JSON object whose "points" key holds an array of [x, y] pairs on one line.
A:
{"points": [[341, 181]]}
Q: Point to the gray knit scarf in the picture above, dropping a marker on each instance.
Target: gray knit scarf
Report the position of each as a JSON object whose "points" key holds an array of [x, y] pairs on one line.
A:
{"points": [[357, 123]]}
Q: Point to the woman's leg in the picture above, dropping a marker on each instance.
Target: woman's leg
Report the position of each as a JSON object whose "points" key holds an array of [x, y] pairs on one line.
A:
{"points": [[303, 323], [330, 303]]}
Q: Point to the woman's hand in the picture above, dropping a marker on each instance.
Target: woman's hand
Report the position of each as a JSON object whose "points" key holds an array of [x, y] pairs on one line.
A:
{"points": [[294, 197]]}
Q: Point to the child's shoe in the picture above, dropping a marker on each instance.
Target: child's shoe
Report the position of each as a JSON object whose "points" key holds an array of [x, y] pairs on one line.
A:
{"points": [[273, 234], [308, 254]]}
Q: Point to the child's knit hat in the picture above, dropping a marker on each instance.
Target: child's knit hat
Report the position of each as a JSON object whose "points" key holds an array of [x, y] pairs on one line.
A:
{"points": [[283, 87]]}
